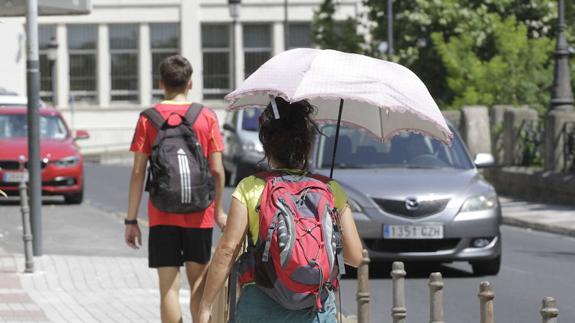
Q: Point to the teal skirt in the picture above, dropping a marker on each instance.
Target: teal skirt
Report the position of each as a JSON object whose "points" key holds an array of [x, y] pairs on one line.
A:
{"points": [[256, 307]]}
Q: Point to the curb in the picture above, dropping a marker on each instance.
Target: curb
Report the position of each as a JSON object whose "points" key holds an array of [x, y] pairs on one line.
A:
{"points": [[549, 228]]}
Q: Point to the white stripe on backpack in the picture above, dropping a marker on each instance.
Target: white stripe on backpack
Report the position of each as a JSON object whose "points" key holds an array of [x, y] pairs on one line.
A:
{"points": [[185, 177]]}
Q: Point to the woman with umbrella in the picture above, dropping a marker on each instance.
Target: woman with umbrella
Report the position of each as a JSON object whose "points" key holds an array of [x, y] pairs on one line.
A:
{"points": [[382, 97], [287, 133]]}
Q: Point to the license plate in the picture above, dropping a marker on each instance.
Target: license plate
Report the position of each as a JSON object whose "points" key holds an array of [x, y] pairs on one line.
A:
{"points": [[413, 231], [15, 177]]}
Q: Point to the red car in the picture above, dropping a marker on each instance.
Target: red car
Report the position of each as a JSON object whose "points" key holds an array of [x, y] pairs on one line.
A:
{"points": [[62, 164]]}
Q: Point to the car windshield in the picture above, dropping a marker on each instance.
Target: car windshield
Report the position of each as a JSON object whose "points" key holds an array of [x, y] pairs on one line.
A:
{"points": [[16, 126], [250, 119], [359, 149]]}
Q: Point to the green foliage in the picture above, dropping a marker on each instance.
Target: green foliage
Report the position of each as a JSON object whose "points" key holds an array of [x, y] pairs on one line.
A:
{"points": [[518, 71], [330, 34], [475, 51], [465, 51]]}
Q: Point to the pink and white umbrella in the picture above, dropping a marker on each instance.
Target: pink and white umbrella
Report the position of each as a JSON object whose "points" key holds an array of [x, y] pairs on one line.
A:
{"points": [[382, 97]]}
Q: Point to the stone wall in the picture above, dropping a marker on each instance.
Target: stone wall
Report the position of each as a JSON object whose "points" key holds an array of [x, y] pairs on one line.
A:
{"points": [[506, 126], [533, 184]]}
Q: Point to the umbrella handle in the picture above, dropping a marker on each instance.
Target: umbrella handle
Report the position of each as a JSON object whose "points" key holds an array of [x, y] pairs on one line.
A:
{"points": [[274, 107], [336, 138]]}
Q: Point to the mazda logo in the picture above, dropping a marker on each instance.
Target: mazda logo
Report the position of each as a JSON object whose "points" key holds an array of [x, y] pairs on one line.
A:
{"points": [[411, 203]]}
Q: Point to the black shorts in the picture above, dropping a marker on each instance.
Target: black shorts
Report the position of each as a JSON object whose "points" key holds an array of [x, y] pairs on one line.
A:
{"points": [[171, 246]]}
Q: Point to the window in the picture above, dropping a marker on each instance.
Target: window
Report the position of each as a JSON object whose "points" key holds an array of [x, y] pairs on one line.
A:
{"points": [[250, 121], [165, 41], [16, 126], [46, 43], [257, 47], [124, 62], [357, 148], [299, 35], [216, 51], [82, 49]]}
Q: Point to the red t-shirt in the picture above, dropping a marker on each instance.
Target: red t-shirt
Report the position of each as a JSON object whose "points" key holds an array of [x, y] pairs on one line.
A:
{"points": [[208, 133]]}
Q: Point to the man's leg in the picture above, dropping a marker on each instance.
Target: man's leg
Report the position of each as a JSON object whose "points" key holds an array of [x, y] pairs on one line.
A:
{"points": [[196, 278], [197, 250], [170, 294]]}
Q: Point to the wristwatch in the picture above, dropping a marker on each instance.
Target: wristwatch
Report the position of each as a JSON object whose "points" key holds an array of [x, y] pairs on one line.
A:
{"points": [[126, 221]]}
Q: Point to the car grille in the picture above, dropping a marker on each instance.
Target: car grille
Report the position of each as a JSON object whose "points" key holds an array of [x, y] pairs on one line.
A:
{"points": [[9, 164], [398, 207], [411, 245], [61, 182], [15, 165]]}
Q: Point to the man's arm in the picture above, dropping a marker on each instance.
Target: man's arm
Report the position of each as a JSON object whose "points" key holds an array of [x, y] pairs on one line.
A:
{"points": [[217, 170], [133, 235]]}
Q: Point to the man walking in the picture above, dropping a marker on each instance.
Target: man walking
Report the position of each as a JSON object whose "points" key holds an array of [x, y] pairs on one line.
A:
{"points": [[183, 143]]}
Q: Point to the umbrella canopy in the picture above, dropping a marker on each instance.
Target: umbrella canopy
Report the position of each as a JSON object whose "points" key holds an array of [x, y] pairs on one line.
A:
{"points": [[380, 96]]}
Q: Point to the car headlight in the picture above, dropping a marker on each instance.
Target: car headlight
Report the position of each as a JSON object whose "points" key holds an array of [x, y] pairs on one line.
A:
{"points": [[354, 206], [67, 161], [250, 147], [480, 202]]}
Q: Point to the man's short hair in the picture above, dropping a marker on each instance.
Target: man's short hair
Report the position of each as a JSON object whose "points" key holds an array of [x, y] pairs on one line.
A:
{"points": [[175, 72]]}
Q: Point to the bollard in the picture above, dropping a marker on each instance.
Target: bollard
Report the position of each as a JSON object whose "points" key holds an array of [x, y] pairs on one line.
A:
{"points": [[25, 210], [363, 289], [549, 310], [486, 297], [436, 298], [398, 311]]}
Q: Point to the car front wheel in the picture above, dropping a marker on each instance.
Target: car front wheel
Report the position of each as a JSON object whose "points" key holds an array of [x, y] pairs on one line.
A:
{"points": [[487, 267], [74, 198]]}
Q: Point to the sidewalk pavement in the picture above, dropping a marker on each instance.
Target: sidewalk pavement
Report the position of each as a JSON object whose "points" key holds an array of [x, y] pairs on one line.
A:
{"points": [[559, 219], [88, 275]]}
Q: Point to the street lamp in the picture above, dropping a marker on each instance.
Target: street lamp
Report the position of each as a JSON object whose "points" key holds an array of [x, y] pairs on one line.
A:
{"points": [[389, 29], [52, 54], [286, 26], [234, 7], [562, 94]]}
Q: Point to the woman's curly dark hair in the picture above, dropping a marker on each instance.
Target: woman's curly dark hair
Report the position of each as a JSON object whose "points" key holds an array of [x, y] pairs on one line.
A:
{"points": [[288, 140]]}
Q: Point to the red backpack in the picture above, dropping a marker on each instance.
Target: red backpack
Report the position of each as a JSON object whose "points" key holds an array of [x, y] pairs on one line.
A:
{"points": [[295, 260]]}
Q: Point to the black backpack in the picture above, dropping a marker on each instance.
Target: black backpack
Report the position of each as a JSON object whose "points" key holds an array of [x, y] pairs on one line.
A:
{"points": [[179, 178]]}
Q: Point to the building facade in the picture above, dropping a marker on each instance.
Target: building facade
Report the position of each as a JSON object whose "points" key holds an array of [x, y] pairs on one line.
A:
{"points": [[105, 64], [110, 57]]}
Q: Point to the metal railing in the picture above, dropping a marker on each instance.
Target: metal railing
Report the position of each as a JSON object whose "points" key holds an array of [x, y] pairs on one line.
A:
{"points": [[568, 136], [530, 143]]}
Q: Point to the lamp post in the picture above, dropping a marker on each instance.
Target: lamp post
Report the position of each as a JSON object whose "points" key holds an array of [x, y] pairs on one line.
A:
{"points": [[234, 7], [286, 26], [33, 92], [52, 53], [389, 29], [562, 94]]}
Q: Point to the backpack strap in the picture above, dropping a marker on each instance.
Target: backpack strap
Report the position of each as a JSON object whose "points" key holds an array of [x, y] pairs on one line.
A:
{"points": [[154, 116], [193, 112]]}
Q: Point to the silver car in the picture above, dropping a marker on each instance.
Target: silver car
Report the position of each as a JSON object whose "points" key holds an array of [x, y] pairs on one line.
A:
{"points": [[243, 152], [416, 199]]}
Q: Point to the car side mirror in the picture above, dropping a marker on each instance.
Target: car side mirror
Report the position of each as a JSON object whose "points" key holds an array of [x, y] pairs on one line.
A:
{"points": [[483, 160], [81, 134], [229, 127]]}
